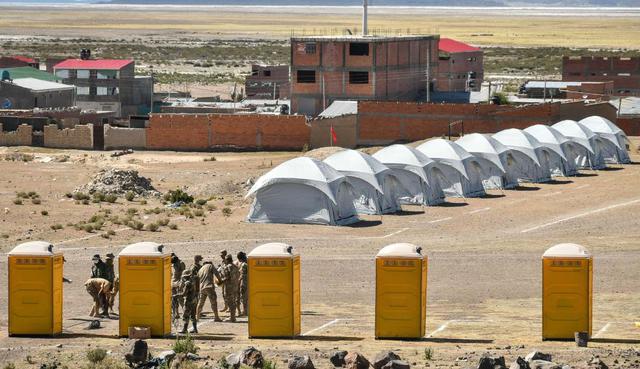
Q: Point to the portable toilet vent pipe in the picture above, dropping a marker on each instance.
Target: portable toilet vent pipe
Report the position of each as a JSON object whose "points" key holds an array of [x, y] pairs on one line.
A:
{"points": [[567, 291]]}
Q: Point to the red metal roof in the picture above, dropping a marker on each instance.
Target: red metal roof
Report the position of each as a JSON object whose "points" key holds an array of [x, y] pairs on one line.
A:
{"points": [[452, 46], [23, 59], [111, 64]]}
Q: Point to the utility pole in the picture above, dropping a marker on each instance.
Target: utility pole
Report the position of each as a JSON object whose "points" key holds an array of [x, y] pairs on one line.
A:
{"points": [[324, 95], [152, 82], [544, 92], [275, 86], [365, 20], [489, 94]]}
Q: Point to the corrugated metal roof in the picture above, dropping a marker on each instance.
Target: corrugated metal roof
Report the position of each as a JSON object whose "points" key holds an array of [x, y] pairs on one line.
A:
{"points": [[110, 64], [454, 46], [551, 84], [23, 59], [340, 108], [40, 85], [29, 72], [629, 106]]}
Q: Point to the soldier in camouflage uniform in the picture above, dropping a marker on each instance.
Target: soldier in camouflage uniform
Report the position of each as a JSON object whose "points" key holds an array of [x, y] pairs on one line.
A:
{"points": [[243, 284], [99, 289], [189, 295], [99, 269], [109, 262], [207, 274], [223, 255], [178, 268], [229, 277]]}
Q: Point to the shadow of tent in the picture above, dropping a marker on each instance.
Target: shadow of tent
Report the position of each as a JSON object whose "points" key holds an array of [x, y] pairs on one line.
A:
{"points": [[365, 224], [403, 213], [586, 175], [452, 204], [525, 188], [558, 182], [492, 196], [611, 169]]}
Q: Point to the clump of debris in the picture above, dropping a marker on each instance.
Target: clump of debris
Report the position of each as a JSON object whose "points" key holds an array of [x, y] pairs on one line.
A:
{"points": [[119, 182]]}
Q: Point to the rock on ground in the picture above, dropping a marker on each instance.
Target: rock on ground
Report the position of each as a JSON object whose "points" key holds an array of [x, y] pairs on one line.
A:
{"points": [[536, 355], [492, 363], [138, 352], [384, 357], [251, 357], [337, 358], [354, 360], [301, 362]]}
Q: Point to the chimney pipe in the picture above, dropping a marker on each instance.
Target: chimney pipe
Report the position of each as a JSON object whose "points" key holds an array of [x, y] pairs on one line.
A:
{"points": [[365, 21]]}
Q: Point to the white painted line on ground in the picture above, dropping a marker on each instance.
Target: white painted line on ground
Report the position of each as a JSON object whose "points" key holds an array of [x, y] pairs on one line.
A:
{"points": [[583, 186], [602, 330], [440, 220], [322, 327], [440, 328], [581, 215], [552, 194], [479, 211]]}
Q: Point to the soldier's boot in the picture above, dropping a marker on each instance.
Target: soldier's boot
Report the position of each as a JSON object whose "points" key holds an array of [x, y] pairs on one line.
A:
{"points": [[232, 317], [195, 327], [184, 328], [215, 312]]}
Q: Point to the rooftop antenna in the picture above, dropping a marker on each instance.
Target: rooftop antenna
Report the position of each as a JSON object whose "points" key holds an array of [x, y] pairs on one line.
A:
{"points": [[365, 21]]}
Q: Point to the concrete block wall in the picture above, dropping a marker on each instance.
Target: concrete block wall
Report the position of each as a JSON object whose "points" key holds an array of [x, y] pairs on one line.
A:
{"points": [[345, 127], [20, 137], [80, 137], [203, 132], [124, 138]]}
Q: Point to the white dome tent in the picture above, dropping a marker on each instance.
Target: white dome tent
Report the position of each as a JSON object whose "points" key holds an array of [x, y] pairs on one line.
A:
{"points": [[377, 189], [588, 154], [415, 172], [523, 142], [609, 131], [303, 190], [472, 171], [561, 145], [485, 147]]}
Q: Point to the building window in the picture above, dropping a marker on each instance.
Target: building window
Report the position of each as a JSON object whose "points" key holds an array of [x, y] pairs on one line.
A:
{"points": [[306, 76], [101, 91], [62, 73], [359, 49], [82, 91], [358, 78], [310, 48], [267, 73], [83, 74], [577, 74], [106, 74], [624, 74]]}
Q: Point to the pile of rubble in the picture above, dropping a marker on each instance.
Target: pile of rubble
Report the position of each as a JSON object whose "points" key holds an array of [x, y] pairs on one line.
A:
{"points": [[119, 182], [535, 360]]}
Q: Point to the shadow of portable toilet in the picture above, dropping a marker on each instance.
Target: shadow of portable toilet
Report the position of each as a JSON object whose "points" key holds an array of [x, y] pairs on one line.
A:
{"points": [[401, 292], [567, 291], [35, 290], [274, 291], [145, 288]]}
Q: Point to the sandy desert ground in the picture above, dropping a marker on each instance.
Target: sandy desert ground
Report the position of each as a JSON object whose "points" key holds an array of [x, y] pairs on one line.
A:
{"points": [[484, 260]]}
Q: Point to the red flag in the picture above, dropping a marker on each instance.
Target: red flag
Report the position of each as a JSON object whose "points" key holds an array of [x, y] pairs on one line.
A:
{"points": [[334, 137]]}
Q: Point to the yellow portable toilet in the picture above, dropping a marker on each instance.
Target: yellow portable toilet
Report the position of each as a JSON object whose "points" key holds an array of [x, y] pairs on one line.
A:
{"points": [[401, 292], [274, 291], [145, 288], [567, 291], [35, 290]]}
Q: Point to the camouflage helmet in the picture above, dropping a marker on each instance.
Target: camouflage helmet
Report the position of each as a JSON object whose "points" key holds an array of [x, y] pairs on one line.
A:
{"points": [[197, 258]]}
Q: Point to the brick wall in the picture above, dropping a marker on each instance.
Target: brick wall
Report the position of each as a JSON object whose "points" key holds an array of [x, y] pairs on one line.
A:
{"points": [[630, 124], [346, 128], [124, 138], [203, 132], [20, 137], [80, 137]]}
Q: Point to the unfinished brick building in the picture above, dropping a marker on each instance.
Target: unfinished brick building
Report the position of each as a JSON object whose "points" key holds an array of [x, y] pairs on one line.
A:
{"points": [[325, 69], [623, 72], [268, 82], [460, 67]]}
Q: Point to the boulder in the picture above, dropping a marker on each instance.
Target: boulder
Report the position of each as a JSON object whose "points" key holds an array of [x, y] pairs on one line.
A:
{"points": [[94, 324], [520, 363], [354, 360], [337, 358], [252, 357], [138, 352], [234, 360], [487, 362], [382, 358], [536, 355], [397, 364], [301, 362], [543, 364], [166, 355]]}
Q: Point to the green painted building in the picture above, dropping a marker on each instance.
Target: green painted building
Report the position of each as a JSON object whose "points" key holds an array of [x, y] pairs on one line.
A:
{"points": [[29, 72]]}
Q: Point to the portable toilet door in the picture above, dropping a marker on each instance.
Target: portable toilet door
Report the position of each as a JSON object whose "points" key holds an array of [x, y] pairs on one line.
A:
{"points": [[401, 292], [35, 290], [145, 288], [567, 291], [274, 291]]}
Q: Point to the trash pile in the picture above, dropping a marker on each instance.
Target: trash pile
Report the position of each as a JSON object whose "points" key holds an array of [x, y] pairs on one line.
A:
{"points": [[119, 182]]}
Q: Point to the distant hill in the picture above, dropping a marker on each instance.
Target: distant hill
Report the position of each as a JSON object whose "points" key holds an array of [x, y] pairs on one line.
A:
{"points": [[493, 3]]}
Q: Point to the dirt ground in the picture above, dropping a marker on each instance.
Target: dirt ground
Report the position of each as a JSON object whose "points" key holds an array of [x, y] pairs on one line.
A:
{"points": [[484, 287]]}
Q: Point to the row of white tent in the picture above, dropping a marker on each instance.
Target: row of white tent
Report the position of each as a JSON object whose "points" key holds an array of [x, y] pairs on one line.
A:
{"points": [[350, 182]]}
